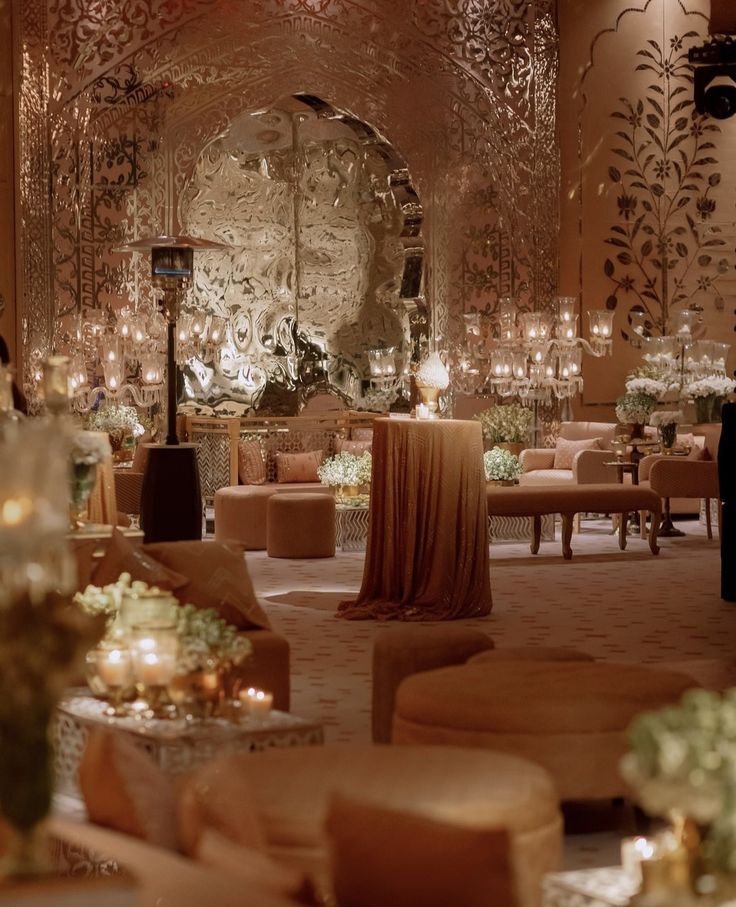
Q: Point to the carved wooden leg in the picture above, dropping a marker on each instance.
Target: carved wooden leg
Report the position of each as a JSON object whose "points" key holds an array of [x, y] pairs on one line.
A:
{"points": [[622, 531], [654, 529], [537, 536], [642, 524], [708, 527], [567, 521], [576, 524]]}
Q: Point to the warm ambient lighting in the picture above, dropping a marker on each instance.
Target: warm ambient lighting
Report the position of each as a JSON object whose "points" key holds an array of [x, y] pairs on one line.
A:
{"points": [[16, 510]]}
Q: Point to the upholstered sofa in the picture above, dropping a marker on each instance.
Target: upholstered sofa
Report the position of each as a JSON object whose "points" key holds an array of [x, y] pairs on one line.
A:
{"points": [[275, 463]]}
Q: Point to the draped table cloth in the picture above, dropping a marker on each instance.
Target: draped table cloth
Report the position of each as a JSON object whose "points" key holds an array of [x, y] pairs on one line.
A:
{"points": [[427, 554]]}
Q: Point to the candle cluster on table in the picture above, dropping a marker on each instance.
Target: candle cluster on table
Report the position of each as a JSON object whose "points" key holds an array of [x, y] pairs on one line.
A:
{"points": [[256, 703]]}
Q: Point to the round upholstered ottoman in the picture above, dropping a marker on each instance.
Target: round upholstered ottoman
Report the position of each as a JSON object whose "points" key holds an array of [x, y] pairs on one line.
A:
{"points": [[300, 525], [532, 653], [290, 792], [569, 717]]}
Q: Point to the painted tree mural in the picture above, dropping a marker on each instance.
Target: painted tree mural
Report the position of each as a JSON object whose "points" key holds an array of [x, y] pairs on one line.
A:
{"points": [[665, 246]]}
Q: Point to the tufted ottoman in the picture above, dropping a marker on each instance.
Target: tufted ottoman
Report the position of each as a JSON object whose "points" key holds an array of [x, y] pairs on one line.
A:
{"points": [[290, 791], [300, 525], [569, 717]]}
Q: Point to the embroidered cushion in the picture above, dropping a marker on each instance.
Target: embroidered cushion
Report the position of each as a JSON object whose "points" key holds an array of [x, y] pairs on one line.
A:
{"points": [[251, 463], [565, 450], [298, 467]]}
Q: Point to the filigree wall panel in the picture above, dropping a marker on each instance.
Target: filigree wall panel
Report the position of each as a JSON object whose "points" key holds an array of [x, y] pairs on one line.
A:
{"points": [[649, 178], [132, 94]]}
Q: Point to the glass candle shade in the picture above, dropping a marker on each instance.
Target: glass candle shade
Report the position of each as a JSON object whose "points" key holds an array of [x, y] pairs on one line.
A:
{"points": [[152, 369], [77, 373], [684, 323], [184, 329], [198, 325], [518, 366], [137, 330], [111, 348], [115, 670], [472, 324], [567, 329], [152, 606], [566, 308], [501, 364], [113, 372], [55, 384], [720, 355], [218, 327], [601, 324], [154, 646], [124, 319]]}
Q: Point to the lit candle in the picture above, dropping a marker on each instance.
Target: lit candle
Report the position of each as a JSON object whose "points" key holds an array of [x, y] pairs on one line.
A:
{"points": [[422, 411], [257, 703], [633, 852], [155, 669], [113, 666]]}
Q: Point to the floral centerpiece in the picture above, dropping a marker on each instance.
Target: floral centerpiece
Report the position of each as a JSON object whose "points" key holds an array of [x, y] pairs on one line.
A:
{"points": [[507, 424], [708, 395], [501, 466], [635, 407], [87, 451], [121, 423], [682, 763], [431, 378], [346, 472], [666, 421]]}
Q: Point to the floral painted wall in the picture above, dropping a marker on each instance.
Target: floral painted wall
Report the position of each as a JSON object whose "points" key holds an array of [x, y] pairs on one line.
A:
{"points": [[649, 187]]}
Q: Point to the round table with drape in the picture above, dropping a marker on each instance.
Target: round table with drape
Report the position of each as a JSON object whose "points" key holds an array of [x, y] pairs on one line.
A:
{"points": [[427, 553]]}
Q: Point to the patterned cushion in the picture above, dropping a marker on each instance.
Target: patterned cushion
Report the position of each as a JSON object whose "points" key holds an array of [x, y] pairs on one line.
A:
{"points": [[298, 467], [251, 464], [353, 447], [565, 450], [216, 577], [121, 556]]}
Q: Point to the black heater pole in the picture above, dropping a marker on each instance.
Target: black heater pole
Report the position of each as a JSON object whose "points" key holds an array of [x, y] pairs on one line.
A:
{"points": [[727, 486], [172, 438]]}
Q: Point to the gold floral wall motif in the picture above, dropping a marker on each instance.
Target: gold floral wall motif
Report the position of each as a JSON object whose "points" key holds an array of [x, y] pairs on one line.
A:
{"points": [[648, 183], [118, 100]]}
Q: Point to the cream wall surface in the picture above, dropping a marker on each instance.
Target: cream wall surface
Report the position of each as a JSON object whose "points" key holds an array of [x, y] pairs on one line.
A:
{"points": [[644, 179]]}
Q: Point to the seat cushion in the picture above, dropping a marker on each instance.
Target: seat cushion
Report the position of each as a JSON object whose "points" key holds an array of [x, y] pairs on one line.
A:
{"points": [[558, 697], [533, 653], [547, 477]]}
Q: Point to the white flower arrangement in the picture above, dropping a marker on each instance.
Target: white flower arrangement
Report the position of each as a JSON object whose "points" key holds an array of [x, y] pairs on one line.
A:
{"points": [[683, 759], [666, 417], [713, 385], [88, 449], [652, 387], [116, 417], [432, 372], [106, 600], [501, 465], [204, 637], [506, 423], [346, 469], [635, 407]]}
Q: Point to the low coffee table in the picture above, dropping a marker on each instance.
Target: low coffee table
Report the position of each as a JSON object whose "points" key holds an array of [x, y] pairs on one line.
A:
{"points": [[607, 887], [351, 526], [177, 745]]}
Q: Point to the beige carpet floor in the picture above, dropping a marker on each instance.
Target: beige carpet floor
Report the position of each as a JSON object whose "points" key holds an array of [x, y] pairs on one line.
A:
{"points": [[623, 606]]}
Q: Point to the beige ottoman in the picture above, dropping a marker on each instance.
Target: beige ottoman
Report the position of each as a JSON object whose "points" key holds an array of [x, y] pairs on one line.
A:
{"points": [[300, 525], [240, 511], [291, 789], [569, 717]]}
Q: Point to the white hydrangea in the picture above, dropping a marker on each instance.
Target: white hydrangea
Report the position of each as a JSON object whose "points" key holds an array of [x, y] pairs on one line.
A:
{"points": [[346, 469], [666, 417], [88, 449], [713, 385], [650, 386], [432, 372]]}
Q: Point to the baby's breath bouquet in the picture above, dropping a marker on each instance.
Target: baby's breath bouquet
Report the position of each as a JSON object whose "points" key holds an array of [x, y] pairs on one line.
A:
{"points": [[506, 423], [635, 407], [683, 762], [346, 469], [106, 600], [116, 417], [501, 465]]}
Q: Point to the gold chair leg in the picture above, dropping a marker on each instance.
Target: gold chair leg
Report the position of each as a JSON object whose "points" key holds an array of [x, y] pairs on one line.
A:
{"points": [[643, 524]]}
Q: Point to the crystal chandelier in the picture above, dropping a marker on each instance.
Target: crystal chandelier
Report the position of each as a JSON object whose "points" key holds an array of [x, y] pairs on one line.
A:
{"points": [[199, 336], [532, 355]]}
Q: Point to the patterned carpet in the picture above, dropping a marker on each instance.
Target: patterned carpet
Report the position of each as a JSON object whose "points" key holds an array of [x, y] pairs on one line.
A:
{"points": [[625, 606]]}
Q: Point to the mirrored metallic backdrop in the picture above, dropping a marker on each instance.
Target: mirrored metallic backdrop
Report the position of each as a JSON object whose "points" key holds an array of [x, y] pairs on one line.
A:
{"points": [[139, 117]]}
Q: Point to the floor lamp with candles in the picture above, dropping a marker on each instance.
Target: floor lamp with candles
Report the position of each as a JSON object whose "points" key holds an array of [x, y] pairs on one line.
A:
{"points": [[171, 499]]}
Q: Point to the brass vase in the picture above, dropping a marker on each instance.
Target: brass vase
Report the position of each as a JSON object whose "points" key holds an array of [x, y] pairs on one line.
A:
{"points": [[430, 397], [346, 492]]}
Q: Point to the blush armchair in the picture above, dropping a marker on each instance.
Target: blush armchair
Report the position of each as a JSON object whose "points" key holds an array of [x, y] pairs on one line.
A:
{"points": [[588, 466]]}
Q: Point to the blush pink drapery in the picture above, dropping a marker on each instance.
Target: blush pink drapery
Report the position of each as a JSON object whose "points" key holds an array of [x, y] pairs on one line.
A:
{"points": [[427, 553]]}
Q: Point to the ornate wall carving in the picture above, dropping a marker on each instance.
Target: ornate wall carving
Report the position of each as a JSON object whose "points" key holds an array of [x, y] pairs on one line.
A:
{"points": [[119, 101]]}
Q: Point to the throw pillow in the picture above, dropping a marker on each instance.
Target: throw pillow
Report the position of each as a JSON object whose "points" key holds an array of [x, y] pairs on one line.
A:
{"points": [[122, 556], [361, 434], [354, 447], [394, 859], [565, 450], [125, 790], [251, 463], [216, 577], [298, 467]]}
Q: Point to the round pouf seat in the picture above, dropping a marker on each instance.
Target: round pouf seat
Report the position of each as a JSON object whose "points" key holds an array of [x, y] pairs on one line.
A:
{"points": [[291, 789], [569, 717], [300, 525]]}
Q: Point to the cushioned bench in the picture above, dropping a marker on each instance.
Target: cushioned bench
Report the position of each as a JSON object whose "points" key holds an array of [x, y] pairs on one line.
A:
{"points": [[567, 500]]}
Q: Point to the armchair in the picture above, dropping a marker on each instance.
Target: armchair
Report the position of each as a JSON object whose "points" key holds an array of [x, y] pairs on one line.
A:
{"points": [[672, 477], [587, 465], [129, 482]]}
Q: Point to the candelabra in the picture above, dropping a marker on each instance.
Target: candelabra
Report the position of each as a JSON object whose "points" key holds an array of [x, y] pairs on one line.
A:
{"points": [[532, 356]]}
